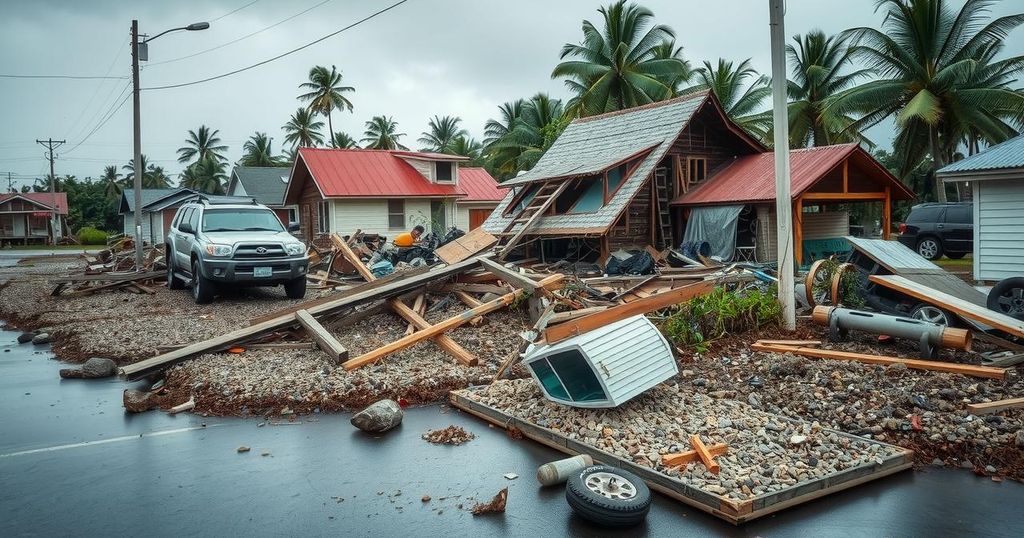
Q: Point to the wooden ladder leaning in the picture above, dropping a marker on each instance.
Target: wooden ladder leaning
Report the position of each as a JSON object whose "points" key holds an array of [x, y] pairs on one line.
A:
{"points": [[661, 195], [541, 201]]}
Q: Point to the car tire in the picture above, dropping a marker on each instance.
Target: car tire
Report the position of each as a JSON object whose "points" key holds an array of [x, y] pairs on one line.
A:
{"points": [[608, 496], [929, 248], [295, 288], [1007, 297], [932, 314], [173, 282], [203, 289]]}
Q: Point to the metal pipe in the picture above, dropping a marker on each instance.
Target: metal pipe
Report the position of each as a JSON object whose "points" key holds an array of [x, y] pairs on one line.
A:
{"points": [[930, 335]]}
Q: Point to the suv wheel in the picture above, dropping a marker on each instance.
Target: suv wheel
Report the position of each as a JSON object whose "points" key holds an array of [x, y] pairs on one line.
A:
{"points": [[608, 496], [1007, 296], [295, 288], [931, 314], [930, 248], [173, 283], [202, 288]]}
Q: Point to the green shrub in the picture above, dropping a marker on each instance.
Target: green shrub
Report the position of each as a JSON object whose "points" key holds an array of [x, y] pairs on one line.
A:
{"points": [[92, 236], [721, 312]]}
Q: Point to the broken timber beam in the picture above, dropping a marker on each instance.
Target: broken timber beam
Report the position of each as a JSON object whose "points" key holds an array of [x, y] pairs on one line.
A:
{"points": [[510, 276], [551, 282], [682, 458], [346, 252], [443, 341], [705, 455], [418, 306], [471, 302], [642, 306], [996, 406], [323, 338]]}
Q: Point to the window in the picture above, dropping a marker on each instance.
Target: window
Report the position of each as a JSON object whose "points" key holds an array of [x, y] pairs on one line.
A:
{"points": [[615, 178], [552, 385], [241, 220], [958, 214], [444, 172], [696, 169], [193, 218], [293, 215], [592, 198], [396, 214], [568, 376], [925, 214], [37, 225], [323, 217], [525, 195]]}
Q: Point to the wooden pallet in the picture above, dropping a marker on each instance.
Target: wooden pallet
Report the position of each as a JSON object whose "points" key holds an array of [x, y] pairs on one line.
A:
{"points": [[733, 511]]}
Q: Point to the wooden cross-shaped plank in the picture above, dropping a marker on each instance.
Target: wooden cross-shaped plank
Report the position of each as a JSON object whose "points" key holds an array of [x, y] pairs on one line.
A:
{"points": [[676, 459], [706, 457]]}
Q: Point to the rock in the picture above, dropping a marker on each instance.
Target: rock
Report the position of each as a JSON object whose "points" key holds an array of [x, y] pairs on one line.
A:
{"points": [[724, 422], [425, 498], [98, 367], [41, 338], [379, 417], [752, 400], [136, 401], [242, 449], [25, 338], [990, 469], [938, 462], [1019, 439], [798, 439]]}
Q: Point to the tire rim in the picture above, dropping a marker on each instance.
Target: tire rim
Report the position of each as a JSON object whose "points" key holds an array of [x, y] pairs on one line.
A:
{"points": [[1011, 301], [931, 315], [928, 248], [611, 486]]}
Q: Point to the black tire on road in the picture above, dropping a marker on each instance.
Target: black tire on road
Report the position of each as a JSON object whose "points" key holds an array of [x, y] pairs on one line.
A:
{"points": [[955, 255], [295, 288], [203, 289], [929, 248], [173, 282], [608, 496], [1007, 297]]}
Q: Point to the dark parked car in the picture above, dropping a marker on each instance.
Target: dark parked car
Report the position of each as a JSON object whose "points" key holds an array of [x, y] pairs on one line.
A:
{"points": [[934, 229]]}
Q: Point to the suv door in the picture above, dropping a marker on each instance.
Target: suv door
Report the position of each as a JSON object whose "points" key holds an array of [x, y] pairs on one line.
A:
{"points": [[958, 234], [183, 241]]}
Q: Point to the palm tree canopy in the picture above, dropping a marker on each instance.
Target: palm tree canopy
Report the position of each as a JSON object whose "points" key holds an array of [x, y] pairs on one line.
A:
{"points": [[541, 119], [302, 129], [622, 65], [200, 144], [258, 151], [441, 132], [382, 133], [153, 177], [111, 179], [344, 141], [206, 175], [466, 146], [742, 102], [497, 128], [325, 93]]}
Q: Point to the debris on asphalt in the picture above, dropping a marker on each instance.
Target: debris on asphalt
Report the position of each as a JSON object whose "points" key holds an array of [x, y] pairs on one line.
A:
{"points": [[496, 505], [452, 435], [94, 368], [242, 449]]}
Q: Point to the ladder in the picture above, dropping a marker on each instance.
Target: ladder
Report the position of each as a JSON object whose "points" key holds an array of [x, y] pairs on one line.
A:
{"points": [[661, 200], [541, 201]]}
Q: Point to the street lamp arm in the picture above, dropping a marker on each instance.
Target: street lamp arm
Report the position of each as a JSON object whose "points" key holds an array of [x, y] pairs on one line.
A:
{"points": [[192, 27]]}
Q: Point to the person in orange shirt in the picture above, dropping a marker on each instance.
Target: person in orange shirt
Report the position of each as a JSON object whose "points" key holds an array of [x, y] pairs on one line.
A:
{"points": [[410, 238]]}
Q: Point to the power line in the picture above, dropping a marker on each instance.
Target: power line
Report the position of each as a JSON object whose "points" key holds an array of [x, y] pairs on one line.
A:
{"points": [[88, 105], [72, 77], [233, 11], [222, 45], [103, 121], [279, 56]]}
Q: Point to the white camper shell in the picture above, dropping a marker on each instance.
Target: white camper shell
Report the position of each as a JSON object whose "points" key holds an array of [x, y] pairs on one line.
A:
{"points": [[605, 367]]}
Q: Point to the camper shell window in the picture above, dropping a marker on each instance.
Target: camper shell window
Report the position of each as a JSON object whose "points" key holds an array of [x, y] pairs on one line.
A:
{"points": [[567, 375]]}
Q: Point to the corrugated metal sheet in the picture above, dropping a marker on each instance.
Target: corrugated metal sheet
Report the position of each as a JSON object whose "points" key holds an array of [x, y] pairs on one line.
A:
{"points": [[45, 198], [479, 186], [999, 226], [893, 255], [368, 173], [1009, 154], [767, 244], [825, 225]]}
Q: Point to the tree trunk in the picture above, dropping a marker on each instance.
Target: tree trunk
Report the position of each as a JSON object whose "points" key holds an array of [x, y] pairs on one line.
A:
{"points": [[940, 188], [330, 129]]}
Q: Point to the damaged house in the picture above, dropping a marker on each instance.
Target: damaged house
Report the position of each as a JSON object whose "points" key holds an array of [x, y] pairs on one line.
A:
{"points": [[676, 170]]}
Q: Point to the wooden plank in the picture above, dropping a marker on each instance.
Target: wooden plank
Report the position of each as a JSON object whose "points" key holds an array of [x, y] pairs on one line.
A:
{"points": [[946, 301], [111, 277], [346, 252], [553, 281], [996, 406], [510, 276], [678, 459], [465, 246], [471, 302], [562, 317], [642, 306], [797, 343], [386, 291], [705, 456], [323, 338], [417, 306], [477, 288], [443, 341], [952, 368]]}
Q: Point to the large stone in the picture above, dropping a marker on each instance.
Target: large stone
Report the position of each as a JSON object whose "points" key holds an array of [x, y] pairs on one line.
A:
{"points": [[136, 401], [41, 338], [379, 417], [97, 367], [25, 338]]}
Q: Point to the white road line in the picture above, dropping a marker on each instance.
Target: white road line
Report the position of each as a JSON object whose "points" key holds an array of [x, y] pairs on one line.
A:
{"points": [[105, 441]]}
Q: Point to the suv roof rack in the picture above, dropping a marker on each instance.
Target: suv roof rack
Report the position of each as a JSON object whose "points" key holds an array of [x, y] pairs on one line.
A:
{"points": [[212, 199]]}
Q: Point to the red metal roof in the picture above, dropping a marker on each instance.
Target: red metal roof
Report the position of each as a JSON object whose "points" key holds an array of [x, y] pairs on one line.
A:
{"points": [[479, 186], [367, 173], [426, 155], [752, 178], [44, 198]]}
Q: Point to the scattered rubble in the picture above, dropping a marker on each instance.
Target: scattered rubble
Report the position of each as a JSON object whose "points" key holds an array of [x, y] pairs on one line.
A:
{"points": [[452, 435], [94, 368], [379, 417], [496, 505]]}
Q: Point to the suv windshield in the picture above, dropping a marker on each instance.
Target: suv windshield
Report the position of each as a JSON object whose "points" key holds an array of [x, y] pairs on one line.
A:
{"points": [[240, 220]]}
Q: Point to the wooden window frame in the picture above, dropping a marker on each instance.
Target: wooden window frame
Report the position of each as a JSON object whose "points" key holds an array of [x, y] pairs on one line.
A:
{"points": [[323, 216], [437, 175], [396, 214], [689, 166]]}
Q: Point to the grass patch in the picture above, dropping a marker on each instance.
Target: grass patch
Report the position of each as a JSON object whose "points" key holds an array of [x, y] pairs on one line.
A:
{"points": [[705, 318]]}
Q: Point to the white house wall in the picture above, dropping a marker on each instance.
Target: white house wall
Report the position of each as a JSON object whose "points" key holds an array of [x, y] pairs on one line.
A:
{"points": [[371, 216], [129, 225], [998, 228]]}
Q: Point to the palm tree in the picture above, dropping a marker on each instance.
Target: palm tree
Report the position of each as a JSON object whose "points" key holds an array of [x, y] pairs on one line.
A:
{"points": [[111, 179], [442, 131], [466, 146], [205, 175], [741, 102], [326, 93], [539, 123], [666, 50], [938, 75], [382, 133], [200, 144], [817, 66], [153, 177], [344, 141], [621, 66], [302, 130], [494, 129], [258, 151]]}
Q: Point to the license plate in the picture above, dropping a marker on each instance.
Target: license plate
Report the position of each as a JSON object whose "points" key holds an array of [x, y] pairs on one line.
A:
{"points": [[262, 271]]}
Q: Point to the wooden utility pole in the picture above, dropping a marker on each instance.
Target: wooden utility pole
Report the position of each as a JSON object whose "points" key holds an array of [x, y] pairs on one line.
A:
{"points": [[783, 203], [50, 145], [137, 142]]}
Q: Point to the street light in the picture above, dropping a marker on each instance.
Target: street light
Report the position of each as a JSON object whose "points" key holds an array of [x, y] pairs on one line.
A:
{"points": [[138, 127]]}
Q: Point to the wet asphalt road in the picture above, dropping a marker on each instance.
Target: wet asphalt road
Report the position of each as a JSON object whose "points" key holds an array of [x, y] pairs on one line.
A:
{"points": [[73, 463]]}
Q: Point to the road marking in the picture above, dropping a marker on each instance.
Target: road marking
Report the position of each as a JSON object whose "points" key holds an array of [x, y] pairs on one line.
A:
{"points": [[105, 441]]}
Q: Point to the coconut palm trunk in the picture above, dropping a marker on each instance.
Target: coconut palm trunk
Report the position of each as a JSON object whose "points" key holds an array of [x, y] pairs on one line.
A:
{"points": [[940, 189]]}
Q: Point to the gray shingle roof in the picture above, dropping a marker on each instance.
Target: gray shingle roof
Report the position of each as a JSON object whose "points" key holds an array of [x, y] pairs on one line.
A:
{"points": [[1009, 154], [148, 196], [590, 145], [263, 183]]}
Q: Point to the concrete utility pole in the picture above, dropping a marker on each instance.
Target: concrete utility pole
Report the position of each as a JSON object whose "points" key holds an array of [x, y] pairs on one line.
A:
{"points": [[783, 201], [50, 145]]}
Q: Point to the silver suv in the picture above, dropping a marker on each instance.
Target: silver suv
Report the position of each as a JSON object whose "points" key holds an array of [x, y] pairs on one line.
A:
{"points": [[219, 240]]}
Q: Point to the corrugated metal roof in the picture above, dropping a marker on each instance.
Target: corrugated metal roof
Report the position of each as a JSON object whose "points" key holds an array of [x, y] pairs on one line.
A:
{"points": [[428, 156], [1009, 154], [479, 186], [368, 173], [45, 198], [752, 178], [263, 183]]}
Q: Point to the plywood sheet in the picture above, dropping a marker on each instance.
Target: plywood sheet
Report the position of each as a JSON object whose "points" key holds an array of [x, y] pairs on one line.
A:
{"points": [[892, 255], [465, 246]]}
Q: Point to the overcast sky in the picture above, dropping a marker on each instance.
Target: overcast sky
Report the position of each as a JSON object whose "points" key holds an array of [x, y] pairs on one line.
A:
{"points": [[425, 57]]}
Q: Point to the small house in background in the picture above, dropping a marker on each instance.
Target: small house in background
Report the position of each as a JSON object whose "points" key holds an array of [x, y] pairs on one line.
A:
{"points": [[266, 185], [158, 209], [386, 192], [996, 176], [25, 217]]}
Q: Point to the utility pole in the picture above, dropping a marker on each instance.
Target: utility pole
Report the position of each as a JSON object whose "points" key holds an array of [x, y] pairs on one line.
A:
{"points": [[10, 184], [783, 201], [50, 145], [137, 139]]}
